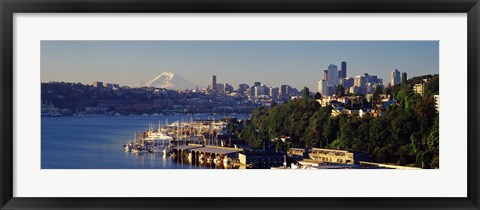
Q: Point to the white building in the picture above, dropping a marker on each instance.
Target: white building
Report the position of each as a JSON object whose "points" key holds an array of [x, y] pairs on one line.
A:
{"points": [[323, 87]]}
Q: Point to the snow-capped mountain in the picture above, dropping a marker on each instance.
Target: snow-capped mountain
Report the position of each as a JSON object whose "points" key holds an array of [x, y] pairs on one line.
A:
{"points": [[168, 80]]}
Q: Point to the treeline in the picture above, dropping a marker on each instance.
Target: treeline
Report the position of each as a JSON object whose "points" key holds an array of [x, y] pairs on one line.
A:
{"points": [[405, 134]]}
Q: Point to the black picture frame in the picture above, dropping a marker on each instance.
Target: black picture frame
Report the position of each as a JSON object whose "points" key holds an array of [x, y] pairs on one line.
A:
{"points": [[9, 7]]}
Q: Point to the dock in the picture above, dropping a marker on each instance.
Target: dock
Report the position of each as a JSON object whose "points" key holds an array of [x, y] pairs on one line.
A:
{"points": [[197, 152]]}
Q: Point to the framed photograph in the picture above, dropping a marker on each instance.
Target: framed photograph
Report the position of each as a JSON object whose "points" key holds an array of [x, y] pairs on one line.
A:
{"points": [[239, 104]]}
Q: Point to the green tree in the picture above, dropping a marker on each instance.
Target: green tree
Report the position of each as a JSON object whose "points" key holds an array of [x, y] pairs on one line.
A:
{"points": [[306, 92], [340, 91]]}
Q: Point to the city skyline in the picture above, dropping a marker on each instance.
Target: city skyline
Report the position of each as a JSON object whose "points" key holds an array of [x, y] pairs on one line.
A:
{"points": [[273, 63]]}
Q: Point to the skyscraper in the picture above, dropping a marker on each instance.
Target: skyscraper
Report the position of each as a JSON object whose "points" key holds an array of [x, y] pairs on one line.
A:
{"points": [[325, 74], [284, 90], [395, 77], [274, 92], [214, 83], [322, 87], [332, 75], [344, 70]]}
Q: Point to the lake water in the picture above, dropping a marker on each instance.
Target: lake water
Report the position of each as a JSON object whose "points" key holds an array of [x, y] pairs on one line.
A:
{"points": [[96, 142]]}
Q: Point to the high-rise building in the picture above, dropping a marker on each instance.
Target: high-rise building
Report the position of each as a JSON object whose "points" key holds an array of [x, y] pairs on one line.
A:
{"points": [[251, 92], [242, 88], [395, 77], [347, 82], [323, 87], [284, 90], [274, 92], [332, 75], [257, 84], [380, 81], [360, 81], [344, 70], [214, 83], [325, 74], [261, 90]]}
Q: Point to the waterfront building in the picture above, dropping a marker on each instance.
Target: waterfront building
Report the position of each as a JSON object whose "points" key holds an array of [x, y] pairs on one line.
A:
{"points": [[332, 75], [261, 159], [49, 110], [338, 156], [298, 153], [96, 110], [395, 77]]}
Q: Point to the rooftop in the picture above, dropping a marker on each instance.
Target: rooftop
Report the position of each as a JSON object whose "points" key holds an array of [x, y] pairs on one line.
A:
{"points": [[217, 150]]}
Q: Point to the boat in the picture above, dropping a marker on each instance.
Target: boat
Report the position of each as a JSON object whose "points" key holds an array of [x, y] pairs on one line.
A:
{"points": [[48, 110], [128, 147], [158, 140], [217, 160], [139, 150], [166, 150], [156, 149]]}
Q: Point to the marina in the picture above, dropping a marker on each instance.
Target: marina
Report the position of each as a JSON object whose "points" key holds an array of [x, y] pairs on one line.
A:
{"points": [[94, 142], [194, 142]]}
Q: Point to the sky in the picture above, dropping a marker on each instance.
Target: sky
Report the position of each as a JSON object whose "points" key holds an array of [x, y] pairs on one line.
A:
{"points": [[295, 63]]}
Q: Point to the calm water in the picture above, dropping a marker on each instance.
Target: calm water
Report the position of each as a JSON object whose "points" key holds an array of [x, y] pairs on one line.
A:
{"points": [[96, 142]]}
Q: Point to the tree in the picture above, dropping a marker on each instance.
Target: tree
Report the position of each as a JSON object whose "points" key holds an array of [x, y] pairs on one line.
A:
{"points": [[306, 92], [432, 86], [340, 91], [318, 95], [376, 95]]}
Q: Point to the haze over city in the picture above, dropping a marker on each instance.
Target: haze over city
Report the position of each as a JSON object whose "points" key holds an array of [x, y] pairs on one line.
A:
{"points": [[296, 63]]}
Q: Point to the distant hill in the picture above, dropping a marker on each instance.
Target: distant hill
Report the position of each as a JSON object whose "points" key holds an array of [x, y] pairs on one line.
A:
{"points": [[168, 80]]}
